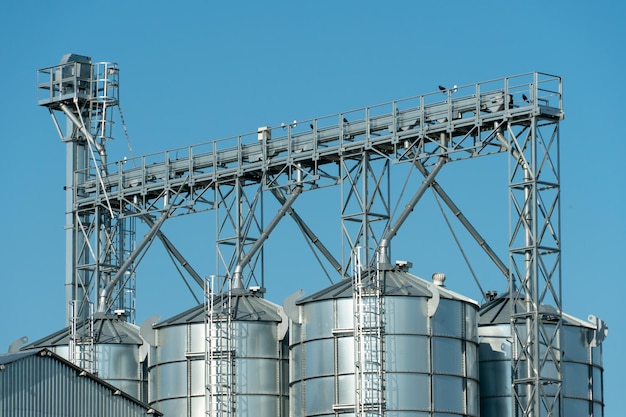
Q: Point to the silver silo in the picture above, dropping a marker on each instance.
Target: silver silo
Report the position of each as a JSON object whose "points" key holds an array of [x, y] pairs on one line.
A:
{"points": [[177, 365], [430, 350], [115, 352], [581, 345]]}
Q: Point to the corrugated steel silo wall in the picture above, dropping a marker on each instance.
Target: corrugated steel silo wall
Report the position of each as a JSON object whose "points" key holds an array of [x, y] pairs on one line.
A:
{"points": [[581, 365], [177, 370], [431, 364]]}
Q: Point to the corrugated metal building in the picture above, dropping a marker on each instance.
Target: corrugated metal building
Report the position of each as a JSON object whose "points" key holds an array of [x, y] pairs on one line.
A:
{"points": [[42, 383], [118, 357]]}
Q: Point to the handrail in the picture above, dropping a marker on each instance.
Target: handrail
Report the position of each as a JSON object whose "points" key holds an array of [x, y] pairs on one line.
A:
{"points": [[381, 126]]}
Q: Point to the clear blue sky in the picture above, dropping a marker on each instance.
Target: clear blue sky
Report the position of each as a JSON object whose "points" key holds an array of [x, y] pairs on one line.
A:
{"points": [[198, 71]]}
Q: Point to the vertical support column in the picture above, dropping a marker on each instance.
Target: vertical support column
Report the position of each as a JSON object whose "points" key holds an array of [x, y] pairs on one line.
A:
{"points": [[535, 269]]}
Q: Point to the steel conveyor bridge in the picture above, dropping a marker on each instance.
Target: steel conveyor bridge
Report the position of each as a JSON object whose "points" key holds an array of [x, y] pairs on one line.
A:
{"points": [[460, 124]]}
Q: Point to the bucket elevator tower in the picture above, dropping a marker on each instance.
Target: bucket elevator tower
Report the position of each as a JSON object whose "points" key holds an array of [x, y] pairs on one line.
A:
{"points": [[99, 239], [518, 116]]}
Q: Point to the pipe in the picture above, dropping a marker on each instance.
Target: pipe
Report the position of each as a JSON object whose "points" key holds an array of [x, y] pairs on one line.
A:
{"points": [[308, 232], [106, 291], [383, 247], [172, 249], [237, 275], [514, 152], [459, 215], [83, 129]]}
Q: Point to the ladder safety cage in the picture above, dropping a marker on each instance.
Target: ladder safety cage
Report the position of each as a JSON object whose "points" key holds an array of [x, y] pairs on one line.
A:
{"points": [[81, 344], [219, 351], [369, 340]]}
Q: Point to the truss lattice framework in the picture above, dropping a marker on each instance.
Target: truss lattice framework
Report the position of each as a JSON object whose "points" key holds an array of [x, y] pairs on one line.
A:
{"points": [[103, 244], [536, 267], [239, 219], [518, 115], [366, 204]]}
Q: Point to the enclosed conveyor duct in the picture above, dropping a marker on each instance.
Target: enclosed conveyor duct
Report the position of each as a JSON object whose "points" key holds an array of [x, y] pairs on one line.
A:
{"points": [[237, 275], [383, 247]]}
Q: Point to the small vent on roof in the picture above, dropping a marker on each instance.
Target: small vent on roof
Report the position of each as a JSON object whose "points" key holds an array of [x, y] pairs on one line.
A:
{"points": [[439, 278]]}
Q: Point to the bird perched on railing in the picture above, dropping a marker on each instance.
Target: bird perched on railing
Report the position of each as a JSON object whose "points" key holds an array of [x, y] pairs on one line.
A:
{"points": [[444, 89]]}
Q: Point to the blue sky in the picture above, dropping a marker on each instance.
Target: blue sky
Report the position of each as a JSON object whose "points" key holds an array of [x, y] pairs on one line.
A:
{"points": [[197, 71]]}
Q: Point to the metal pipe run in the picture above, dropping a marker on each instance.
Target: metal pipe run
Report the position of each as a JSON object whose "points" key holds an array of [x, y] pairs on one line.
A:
{"points": [[383, 247], [84, 131], [106, 291], [506, 145], [465, 222], [308, 232], [175, 252], [237, 274]]}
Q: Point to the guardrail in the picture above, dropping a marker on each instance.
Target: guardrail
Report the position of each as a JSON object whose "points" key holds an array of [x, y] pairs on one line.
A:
{"points": [[455, 111]]}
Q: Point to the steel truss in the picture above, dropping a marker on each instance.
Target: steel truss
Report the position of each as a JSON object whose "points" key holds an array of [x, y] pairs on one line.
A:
{"points": [[366, 203], [356, 149], [535, 257], [239, 219]]}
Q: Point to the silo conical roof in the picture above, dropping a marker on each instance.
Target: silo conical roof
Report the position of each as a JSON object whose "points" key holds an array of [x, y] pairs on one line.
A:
{"points": [[106, 330], [499, 310], [397, 282], [246, 306]]}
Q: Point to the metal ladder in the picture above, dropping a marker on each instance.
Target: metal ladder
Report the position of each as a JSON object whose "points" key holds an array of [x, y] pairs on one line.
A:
{"points": [[220, 353], [369, 341], [82, 348], [105, 84]]}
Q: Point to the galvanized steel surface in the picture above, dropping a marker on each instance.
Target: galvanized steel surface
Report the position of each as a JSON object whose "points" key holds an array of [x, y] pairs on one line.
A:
{"points": [[177, 366], [431, 362], [40, 383], [117, 352], [581, 363]]}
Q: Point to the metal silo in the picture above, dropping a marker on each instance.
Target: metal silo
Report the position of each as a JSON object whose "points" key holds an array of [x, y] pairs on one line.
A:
{"points": [[430, 364], [178, 382], [109, 347], [581, 363]]}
